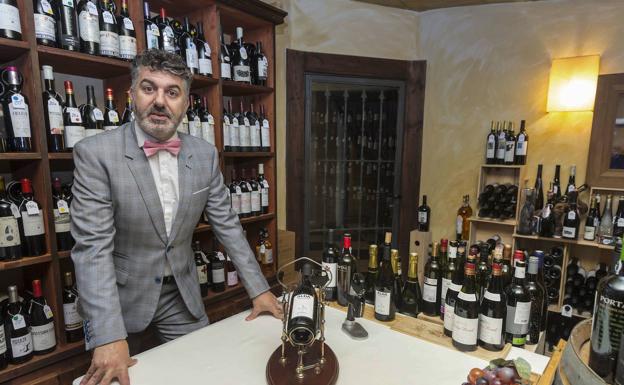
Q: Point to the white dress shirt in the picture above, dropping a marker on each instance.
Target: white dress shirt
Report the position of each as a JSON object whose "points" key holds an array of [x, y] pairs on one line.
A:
{"points": [[164, 167]]}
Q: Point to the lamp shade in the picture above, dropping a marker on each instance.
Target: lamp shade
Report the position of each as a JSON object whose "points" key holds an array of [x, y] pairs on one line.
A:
{"points": [[572, 85]]}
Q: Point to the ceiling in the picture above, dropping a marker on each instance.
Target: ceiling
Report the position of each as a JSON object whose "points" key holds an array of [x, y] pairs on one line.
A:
{"points": [[427, 5]]}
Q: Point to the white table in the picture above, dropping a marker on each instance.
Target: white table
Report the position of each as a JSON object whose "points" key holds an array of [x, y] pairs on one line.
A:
{"points": [[235, 352]]}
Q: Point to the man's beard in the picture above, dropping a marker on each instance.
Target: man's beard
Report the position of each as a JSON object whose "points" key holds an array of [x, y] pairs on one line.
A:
{"points": [[161, 131]]}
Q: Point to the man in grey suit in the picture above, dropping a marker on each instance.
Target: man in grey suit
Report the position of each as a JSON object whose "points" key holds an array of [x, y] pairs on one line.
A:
{"points": [[139, 192]]}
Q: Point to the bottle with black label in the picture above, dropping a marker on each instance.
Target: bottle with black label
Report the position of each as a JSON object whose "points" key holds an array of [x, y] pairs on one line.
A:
{"points": [[15, 107], [10, 25], [538, 295], [202, 268], [303, 310], [385, 293], [518, 307], [431, 289], [67, 26], [218, 269], [466, 312], [73, 321], [53, 112], [72, 119], [41, 322], [490, 146], [17, 329], [346, 268], [10, 242], [152, 33], [45, 22], [62, 218], [330, 261], [240, 59], [424, 215], [411, 296], [493, 311], [127, 34], [522, 144], [32, 230], [89, 26]]}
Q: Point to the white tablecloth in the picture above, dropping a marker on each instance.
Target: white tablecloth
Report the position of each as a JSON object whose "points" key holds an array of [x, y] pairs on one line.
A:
{"points": [[235, 352]]}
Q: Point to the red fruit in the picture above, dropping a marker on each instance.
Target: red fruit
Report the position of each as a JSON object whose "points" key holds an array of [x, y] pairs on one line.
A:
{"points": [[474, 374]]}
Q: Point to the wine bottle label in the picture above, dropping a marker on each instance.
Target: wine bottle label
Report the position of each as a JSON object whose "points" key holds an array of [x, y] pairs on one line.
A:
{"points": [[18, 321], [15, 211], [232, 278], [62, 206], [430, 292], [32, 208], [22, 346], [519, 272], [108, 17], [245, 139], [43, 336], [55, 117], [263, 68], [20, 118], [422, 217], [446, 283], [245, 203], [590, 233], [236, 203], [218, 275], [10, 18], [264, 194], [47, 311], [267, 256], [45, 26], [490, 329], [255, 201], [467, 296], [517, 321], [226, 131], [234, 133], [449, 316], [152, 34], [61, 222], [127, 23], [302, 306], [568, 232], [195, 127], [226, 71], [92, 131], [73, 134], [33, 224], [332, 270], [73, 320], [242, 73], [109, 44], [382, 302], [465, 330], [572, 215], [205, 65], [207, 132], [265, 134], [192, 60], [168, 39], [490, 151], [495, 297], [88, 24], [510, 148], [9, 232], [113, 116], [74, 114], [255, 135], [3, 347], [127, 47], [202, 274], [68, 3]]}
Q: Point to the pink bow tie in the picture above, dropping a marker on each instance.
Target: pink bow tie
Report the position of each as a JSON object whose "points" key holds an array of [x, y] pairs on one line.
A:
{"points": [[151, 148]]}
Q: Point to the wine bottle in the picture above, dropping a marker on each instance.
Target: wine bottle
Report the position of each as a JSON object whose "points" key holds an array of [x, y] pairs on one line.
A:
{"points": [[166, 38], [346, 268], [493, 311], [608, 321], [111, 117], [592, 222], [245, 196], [41, 322], [232, 274], [618, 220], [45, 22], [424, 213], [62, 217], [510, 146], [431, 294], [522, 144], [67, 26], [226, 125], [330, 261], [466, 313], [303, 310], [71, 317], [4, 355], [72, 119], [462, 223], [518, 307], [32, 230], [450, 268], [244, 127], [53, 112], [10, 241], [557, 183], [92, 116], [152, 33], [264, 189], [254, 126], [207, 122], [385, 291], [501, 144], [109, 31], [256, 206], [491, 142], [202, 268], [204, 52], [89, 26], [572, 219], [262, 66], [395, 261], [10, 25], [127, 34], [194, 121], [571, 180], [235, 193], [235, 144], [240, 59], [265, 132], [217, 263], [605, 230], [128, 114], [453, 290], [266, 262], [539, 189], [225, 60], [188, 47], [411, 297], [537, 292], [371, 274], [16, 111], [17, 329], [483, 270]]}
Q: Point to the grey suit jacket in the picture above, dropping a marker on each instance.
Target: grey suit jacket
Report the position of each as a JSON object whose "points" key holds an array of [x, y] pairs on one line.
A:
{"points": [[121, 242]]}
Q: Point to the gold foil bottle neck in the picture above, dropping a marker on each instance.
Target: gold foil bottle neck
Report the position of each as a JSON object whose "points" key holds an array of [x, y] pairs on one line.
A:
{"points": [[372, 257], [412, 273]]}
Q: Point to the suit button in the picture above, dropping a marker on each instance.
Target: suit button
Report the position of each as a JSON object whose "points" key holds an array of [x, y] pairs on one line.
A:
{"points": [[158, 280], [169, 248]]}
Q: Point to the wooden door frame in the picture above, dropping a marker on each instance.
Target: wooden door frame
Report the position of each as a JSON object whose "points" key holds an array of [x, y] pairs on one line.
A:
{"points": [[300, 63]]}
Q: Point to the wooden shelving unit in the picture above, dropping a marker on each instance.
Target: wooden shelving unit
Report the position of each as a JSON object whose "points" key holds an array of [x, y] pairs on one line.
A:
{"points": [[258, 20]]}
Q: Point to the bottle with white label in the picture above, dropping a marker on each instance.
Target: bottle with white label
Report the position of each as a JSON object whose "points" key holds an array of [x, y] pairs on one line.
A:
{"points": [[330, 261], [453, 289], [203, 52], [16, 111], [45, 15], [522, 144], [225, 61], [235, 193], [109, 31], [385, 290], [89, 26], [226, 124], [447, 273], [127, 34], [32, 230], [72, 119], [501, 134], [62, 218], [265, 131], [254, 129], [264, 189], [207, 122], [67, 25], [232, 274], [217, 263], [244, 127], [10, 25], [92, 116], [261, 67], [245, 196], [72, 319], [240, 59], [166, 38], [194, 121], [41, 322], [490, 147], [302, 322], [431, 289], [111, 117], [493, 311], [592, 222], [152, 33], [235, 123], [256, 205], [53, 112], [188, 47], [518, 307], [17, 329], [4, 356], [466, 312], [571, 219], [510, 146], [537, 291], [618, 219], [10, 242]]}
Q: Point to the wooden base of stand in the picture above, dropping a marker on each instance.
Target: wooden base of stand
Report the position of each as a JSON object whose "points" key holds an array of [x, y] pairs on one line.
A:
{"points": [[278, 373]]}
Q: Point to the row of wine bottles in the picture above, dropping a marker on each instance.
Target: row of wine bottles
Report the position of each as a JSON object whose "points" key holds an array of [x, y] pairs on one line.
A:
{"points": [[462, 221], [246, 130], [27, 324], [504, 147], [498, 201], [581, 285], [249, 197]]}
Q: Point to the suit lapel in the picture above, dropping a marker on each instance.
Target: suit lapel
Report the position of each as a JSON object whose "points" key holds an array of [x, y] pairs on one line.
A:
{"points": [[185, 181], [142, 173]]}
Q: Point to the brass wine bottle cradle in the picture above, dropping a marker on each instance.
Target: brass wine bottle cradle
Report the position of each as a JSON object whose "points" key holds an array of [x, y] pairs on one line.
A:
{"points": [[313, 363]]}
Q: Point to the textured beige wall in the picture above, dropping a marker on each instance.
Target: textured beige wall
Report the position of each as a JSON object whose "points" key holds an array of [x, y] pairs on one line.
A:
{"points": [[492, 63]]}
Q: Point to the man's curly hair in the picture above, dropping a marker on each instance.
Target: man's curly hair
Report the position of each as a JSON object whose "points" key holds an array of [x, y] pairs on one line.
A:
{"points": [[160, 60]]}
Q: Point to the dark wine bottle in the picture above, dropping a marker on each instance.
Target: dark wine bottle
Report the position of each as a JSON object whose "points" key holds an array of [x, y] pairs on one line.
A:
{"points": [[89, 26], [592, 222], [537, 293], [345, 269], [53, 112], [539, 189], [152, 33], [522, 144], [217, 263], [571, 180], [166, 40], [235, 144], [395, 261], [385, 291], [72, 119], [245, 196], [207, 123], [431, 289], [92, 116], [491, 142], [4, 355], [493, 311], [10, 242], [232, 274], [111, 117], [225, 60], [109, 31], [235, 193], [256, 206], [188, 47], [194, 121], [32, 230], [10, 20], [62, 217], [303, 310], [411, 297], [127, 34], [16, 111], [265, 131], [45, 22], [67, 25], [424, 215], [41, 322], [201, 267], [618, 219], [510, 146], [451, 294], [483, 270], [262, 66], [501, 143], [128, 114], [244, 128], [254, 127], [518, 307], [557, 183], [240, 59], [264, 189], [204, 52], [17, 329], [71, 317], [466, 313], [330, 262], [450, 268], [572, 218]]}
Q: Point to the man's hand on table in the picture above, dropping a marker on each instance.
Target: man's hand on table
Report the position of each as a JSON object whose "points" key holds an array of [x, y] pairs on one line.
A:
{"points": [[265, 302], [109, 361]]}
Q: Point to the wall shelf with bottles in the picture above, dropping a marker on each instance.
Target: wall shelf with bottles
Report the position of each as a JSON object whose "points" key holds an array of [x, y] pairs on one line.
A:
{"points": [[78, 63], [506, 222], [11, 49], [231, 88], [579, 242], [20, 156]]}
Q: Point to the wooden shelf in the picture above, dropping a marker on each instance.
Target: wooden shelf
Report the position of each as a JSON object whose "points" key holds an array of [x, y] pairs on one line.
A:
{"points": [[62, 352], [20, 155], [501, 166], [61, 155], [248, 154], [203, 227], [231, 88], [505, 222], [200, 81], [25, 261], [82, 64], [11, 49], [580, 242], [64, 254]]}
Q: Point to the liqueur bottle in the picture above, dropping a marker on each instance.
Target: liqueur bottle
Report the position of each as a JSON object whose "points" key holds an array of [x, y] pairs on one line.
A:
{"points": [[41, 322], [466, 313], [518, 307], [431, 293], [371, 274], [385, 302], [303, 310], [411, 296], [492, 312], [330, 263], [462, 223], [71, 317]]}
